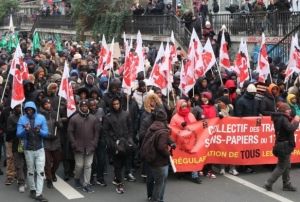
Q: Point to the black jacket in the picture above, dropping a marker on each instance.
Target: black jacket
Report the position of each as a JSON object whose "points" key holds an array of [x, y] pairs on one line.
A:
{"points": [[246, 105], [284, 128], [117, 125], [162, 133]]}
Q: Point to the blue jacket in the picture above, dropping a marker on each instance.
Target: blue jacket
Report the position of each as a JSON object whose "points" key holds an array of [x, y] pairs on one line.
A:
{"points": [[32, 140]]}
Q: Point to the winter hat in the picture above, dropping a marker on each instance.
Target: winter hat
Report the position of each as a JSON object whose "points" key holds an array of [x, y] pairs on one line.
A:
{"points": [[251, 88], [83, 102], [160, 115], [224, 99], [52, 86], [290, 97], [44, 101], [207, 23], [55, 77], [208, 95], [282, 107]]}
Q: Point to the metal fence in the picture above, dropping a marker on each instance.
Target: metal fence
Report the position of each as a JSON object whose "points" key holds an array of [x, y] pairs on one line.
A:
{"points": [[245, 24], [54, 22], [158, 25]]}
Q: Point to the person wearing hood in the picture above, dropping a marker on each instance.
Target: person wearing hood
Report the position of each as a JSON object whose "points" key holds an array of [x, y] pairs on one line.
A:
{"points": [[99, 162], [94, 94], [32, 128], [89, 82], [83, 132], [117, 128], [52, 142], [208, 109], [268, 103], [231, 86], [114, 91], [103, 82], [179, 121], [247, 105], [29, 90], [292, 101], [39, 95], [40, 78], [285, 126], [140, 93], [51, 94]]}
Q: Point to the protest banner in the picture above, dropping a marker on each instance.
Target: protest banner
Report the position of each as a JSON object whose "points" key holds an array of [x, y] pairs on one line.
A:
{"points": [[231, 140]]}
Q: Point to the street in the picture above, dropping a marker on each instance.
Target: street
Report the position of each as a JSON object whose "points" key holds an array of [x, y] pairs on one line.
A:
{"points": [[228, 188]]}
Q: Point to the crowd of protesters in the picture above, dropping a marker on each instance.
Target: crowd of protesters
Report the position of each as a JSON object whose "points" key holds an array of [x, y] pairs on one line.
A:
{"points": [[37, 142]]}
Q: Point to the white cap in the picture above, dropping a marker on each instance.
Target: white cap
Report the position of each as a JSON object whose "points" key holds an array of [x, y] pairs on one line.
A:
{"points": [[207, 23], [251, 88]]}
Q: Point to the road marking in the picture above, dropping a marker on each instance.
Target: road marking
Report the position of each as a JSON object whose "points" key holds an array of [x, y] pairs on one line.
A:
{"points": [[65, 189], [257, 188]]}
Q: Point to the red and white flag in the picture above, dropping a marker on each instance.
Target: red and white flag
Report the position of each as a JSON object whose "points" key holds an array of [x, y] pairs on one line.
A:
{"points": [[19, 71], [294, 60], [18, 95], [66, 91], [195, 48], [173, 51], [103, 54], [242, 63], [263, 66], [166, 70], [109, 60], [187, 74], [17, 59], [140, 53], [224, 60], [208, 57], [157, 78]]}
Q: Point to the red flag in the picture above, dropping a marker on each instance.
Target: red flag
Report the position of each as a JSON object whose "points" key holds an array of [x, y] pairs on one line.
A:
{"points": [[208, 59], [157, 77], [109, 59], [263, 66], [66, 91], [103, 54], [241, 63], [18, 96], [20, 72], [224, 55]]}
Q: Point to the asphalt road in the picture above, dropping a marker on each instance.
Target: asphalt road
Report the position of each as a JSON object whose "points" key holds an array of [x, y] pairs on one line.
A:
{"points": [[244, 188]]}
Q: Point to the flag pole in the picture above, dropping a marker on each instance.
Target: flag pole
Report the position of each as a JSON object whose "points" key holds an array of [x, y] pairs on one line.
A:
{"points": [[5, 86], [127, 103], [108, 80], [57, 115], [219, 73]]}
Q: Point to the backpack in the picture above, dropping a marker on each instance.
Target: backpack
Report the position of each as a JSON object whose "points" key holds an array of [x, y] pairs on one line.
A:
{"points": [[148, 151]]}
